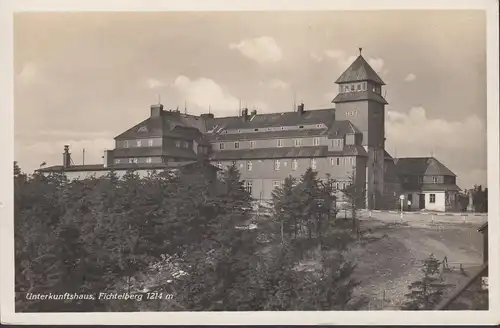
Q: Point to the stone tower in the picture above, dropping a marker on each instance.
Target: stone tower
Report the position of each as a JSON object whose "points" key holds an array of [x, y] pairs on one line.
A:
{"points": [[360, 101]]}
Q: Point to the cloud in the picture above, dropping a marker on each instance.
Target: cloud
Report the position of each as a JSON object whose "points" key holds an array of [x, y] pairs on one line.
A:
{"points": [[410, 77], [202, 92], [262, 49], [457, 144], [153, 83], [343, 61], [275, 84]]}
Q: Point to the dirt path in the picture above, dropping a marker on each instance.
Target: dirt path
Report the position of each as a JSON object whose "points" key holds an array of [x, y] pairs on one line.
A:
{"points": [[390, 254]]}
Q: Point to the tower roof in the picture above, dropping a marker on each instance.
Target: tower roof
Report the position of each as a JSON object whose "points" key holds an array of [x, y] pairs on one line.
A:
{"points": [[359, 70]]}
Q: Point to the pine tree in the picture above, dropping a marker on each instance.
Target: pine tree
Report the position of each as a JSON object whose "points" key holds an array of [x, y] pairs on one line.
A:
{"points": [[427, 292]]}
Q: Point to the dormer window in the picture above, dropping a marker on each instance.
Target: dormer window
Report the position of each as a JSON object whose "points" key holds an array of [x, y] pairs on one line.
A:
{"points": [[346, 88]]}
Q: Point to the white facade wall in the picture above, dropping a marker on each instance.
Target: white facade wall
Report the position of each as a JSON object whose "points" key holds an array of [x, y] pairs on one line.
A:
{"points": [[81, 175]]}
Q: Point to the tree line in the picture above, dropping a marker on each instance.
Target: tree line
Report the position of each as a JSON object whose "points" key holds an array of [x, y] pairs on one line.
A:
{"points": [[179, 234]]}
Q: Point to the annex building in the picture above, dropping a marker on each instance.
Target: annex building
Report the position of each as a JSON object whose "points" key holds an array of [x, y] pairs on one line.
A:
{"points": [[345, 141]]}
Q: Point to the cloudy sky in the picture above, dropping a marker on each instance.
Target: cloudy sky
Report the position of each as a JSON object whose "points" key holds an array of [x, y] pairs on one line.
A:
{"points": [[83, 78]]}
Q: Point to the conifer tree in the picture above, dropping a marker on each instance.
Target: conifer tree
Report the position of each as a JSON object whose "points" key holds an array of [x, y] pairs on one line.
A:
{"points": [[427, 292]]}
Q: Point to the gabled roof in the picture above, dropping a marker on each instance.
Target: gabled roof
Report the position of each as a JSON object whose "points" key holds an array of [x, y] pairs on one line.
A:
{"points": [[168, 124], [421, 166], [359, 70]]}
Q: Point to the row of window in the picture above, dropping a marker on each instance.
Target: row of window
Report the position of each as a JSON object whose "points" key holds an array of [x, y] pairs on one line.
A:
{"points": [[421, 179], [248, 185], [432, 198], [283, 128], [132, 160], [138, 143], [357, 87], [334, 161], [279, 143]]}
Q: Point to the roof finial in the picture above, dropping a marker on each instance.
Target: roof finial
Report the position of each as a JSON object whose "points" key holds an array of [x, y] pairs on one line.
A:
{"points": [[360, 50]]}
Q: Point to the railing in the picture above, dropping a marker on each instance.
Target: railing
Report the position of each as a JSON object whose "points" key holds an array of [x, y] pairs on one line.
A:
{"points": [[445, 303]]}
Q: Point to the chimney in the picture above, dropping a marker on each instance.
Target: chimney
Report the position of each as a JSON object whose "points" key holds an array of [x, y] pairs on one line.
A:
{"points": [[300, 108], [108, 158], [244, 114], [156, 110], [66, 157]]}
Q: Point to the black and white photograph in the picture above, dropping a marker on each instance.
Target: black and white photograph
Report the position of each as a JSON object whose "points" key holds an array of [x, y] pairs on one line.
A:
{"points": [[207, 164]]}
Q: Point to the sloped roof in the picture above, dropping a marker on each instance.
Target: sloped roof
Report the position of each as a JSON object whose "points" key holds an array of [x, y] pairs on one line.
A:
{"points": [[439, 187], [168, 124], [286, 152], [310, 116], [421, 166], [359, 70], [154, 151], [336, 129], [125, 166]]}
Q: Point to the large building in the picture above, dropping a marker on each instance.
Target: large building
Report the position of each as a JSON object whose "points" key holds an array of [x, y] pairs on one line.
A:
{"points": [[345, 141]]}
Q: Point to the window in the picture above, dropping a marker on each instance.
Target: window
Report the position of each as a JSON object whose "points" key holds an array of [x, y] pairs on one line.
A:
{"points": [[148, 160], [233, 163], [346, 89], [316, 141], [332, 161], [219, 165], [241, 165], [358, 87], [236, 145], [248, 186], [280, 143], [337, 143], [139, 143], [133, 160], [363, 86], [249, 166], [352, 87], [117, 161], [277, 165], [294, 164], [410, 198], [435, 180], [313, 163], [297, 142], [276, 184], [177, 144], [301, 126], [256, 129], [221, 146], [150, 142], [125, 144], [432, 198], [142, 129], [252, 144], [186, 144]]}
